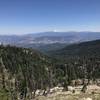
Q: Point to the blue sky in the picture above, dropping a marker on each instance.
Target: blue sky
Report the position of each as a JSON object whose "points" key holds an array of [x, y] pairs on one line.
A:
{"points": [[30, 16]]}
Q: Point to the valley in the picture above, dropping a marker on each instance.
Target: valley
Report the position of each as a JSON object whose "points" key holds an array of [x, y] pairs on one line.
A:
{"points": [[47, 41]]}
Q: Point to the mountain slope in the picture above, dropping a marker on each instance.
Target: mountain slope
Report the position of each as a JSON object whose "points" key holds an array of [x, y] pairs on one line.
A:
{"points": [[25, 71], [91, 48]]}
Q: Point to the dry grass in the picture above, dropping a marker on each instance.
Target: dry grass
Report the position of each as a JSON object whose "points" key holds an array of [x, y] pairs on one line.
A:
{"points": [[71, 97]]}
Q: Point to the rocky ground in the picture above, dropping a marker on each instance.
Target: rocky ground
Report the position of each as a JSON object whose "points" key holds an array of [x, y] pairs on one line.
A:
{"points": [[92, 93]]}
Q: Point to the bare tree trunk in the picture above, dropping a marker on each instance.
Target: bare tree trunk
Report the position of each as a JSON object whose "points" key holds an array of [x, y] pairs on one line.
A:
{"points": [[2, 67], [3, 80]]}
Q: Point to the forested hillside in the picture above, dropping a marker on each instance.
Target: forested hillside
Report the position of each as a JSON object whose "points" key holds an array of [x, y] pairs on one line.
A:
{"points": [[23, 71], [82, 59], [91, 48]]}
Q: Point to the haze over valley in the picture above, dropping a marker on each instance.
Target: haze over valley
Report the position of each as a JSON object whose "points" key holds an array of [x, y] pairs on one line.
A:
{"points": [[44, 40]]}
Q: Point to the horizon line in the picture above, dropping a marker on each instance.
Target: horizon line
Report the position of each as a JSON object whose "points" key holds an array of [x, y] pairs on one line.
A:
{"points": [[17, 34]]}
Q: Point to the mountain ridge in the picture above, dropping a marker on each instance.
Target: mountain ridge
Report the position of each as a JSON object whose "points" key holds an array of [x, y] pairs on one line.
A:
{"points": [[79, 49]]}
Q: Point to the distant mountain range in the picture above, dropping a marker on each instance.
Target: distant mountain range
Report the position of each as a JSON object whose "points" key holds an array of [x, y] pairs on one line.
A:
{"points": [[43, 39]]}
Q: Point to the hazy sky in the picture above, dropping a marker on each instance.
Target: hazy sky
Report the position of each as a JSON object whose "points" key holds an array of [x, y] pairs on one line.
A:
{"points": [[29, 16]]}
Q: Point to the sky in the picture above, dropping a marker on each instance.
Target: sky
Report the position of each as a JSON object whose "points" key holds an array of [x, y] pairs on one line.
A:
{"points": [[30, 16]]}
